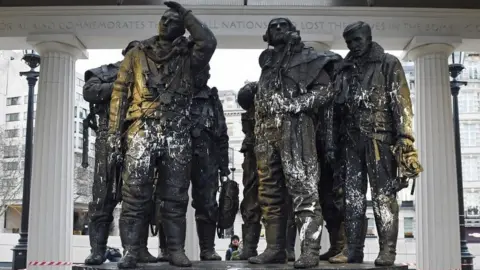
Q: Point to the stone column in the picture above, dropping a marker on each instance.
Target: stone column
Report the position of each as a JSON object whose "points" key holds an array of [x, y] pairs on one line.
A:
{"points": [[51, 201], [438, 236]]}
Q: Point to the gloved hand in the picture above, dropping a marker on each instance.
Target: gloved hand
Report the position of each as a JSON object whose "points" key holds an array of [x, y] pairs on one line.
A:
{"points": [[177, 7], [292, 37], [403, 145]]}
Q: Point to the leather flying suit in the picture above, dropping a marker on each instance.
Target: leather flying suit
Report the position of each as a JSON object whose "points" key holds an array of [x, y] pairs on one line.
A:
{"points": [[377, 114], [250, 207], [210, 155], [289, 91], [97, 90], [153, 94], [332, 215]]}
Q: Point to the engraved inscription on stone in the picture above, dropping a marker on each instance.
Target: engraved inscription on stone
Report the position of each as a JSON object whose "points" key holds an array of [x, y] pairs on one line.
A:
{"points": [[309, 26]]}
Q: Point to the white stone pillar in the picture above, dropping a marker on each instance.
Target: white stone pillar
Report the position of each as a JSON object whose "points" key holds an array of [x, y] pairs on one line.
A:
{"points": [[438, 236], [192, 250], [51, 200]]}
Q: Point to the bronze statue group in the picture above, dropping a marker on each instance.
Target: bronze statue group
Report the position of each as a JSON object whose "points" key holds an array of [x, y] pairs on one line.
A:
{"points": [[317, 127]]}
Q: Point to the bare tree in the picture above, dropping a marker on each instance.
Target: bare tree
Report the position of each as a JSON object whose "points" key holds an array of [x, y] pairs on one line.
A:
{"points": [[11, 167], [83, 180]]}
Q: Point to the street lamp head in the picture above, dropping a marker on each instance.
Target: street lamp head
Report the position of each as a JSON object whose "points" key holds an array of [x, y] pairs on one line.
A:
{"points": [[456, 66], [458, 57], [31, 58]]}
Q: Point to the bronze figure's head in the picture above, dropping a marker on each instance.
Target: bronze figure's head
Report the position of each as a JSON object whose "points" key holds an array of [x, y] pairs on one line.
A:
{"points": [[279, 31], [358, 37], [246, 95], [171, 25]]}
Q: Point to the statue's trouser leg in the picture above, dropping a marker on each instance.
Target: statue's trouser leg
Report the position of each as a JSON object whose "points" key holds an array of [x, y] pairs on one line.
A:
{"points": [[205, 180], [137, 191], [382, 173], [355, 197], [173, 184], [250, 208], [100, 209], [331, 214], [271, 196], [300, 166], [162, 242], [291, 230]]}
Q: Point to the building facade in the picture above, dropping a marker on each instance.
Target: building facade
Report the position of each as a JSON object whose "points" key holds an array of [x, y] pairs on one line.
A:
{"points": [[13, 122]]}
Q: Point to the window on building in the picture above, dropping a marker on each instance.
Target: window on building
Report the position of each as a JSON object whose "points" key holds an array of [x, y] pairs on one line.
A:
{"points": [[474, 73], [80, 143], [12, 117], [371, 227], [80, 82], [7, 183], [471, 167], [469, 101], [83, 113], [80, 129], [13, 101], [26, 99], [408, 227], [12, 133], [230, 129], [10, 151], [75, 112], [25, 115], [10, 166], [471, 197], [470, 133]]}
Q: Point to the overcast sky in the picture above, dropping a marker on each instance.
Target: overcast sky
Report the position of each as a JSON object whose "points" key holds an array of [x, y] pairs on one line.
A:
{"points": [[229, 68]]}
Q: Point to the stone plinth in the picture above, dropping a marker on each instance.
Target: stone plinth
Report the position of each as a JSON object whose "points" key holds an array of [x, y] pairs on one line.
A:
{"points": [[242, 265]]}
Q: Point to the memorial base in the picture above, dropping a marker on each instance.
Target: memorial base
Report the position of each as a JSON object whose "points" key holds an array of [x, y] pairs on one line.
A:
{"points": [[218, 265]]}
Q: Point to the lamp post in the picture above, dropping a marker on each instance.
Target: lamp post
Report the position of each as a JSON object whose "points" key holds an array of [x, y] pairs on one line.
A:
{"points": [[20, 250], [231, 156], [456, 69], [232, 168]]}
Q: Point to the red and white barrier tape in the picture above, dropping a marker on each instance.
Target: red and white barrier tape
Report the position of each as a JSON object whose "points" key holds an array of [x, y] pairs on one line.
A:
{"points": [[52, 263]]}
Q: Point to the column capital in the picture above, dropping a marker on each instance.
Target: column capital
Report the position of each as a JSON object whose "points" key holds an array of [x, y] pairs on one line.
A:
{"points": [[423, 45], [66, 43]]}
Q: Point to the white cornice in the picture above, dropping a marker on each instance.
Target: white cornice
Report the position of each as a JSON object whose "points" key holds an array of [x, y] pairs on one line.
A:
{"points": [[112, 27], [243, 10]]}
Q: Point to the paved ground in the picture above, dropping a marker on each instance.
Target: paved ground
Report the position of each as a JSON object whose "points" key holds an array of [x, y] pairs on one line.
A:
{"points": [[241, 266]]}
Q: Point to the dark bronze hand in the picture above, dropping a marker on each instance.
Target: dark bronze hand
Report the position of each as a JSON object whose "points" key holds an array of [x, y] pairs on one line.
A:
{"points": [[176, 7]]}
